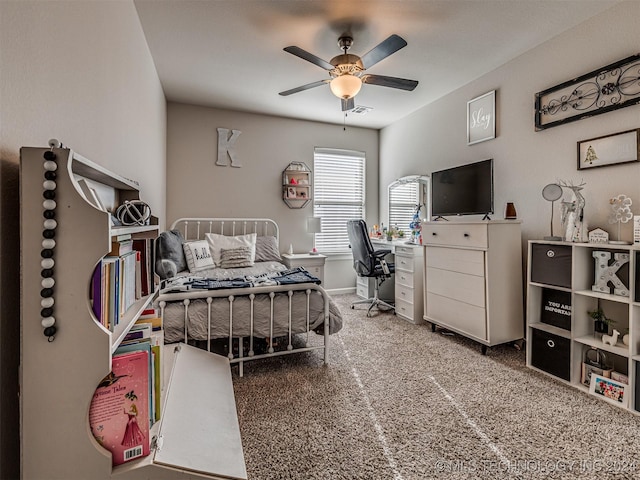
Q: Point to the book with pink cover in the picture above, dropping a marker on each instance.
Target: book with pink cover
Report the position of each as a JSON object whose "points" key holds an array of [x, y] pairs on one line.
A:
{"points": [[119, 411]]}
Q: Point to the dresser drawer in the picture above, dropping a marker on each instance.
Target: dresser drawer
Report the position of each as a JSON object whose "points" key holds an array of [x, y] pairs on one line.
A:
{"points": [[404, 263], [456, 260], [405, 309], [404, 278], [362, 291], [404, 293], [457, 286], [454, 235], [461, 317], [407, 251]]}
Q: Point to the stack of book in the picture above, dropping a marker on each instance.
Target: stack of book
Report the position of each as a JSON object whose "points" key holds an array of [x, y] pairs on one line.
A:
{"points": [[126, 403], [121, 278]]}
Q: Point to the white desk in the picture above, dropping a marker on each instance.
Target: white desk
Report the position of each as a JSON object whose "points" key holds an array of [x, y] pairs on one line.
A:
{"points": [[406, 289]]}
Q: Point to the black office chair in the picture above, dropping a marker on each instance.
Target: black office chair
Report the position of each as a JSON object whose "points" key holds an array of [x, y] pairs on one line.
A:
{"points": [[368, 262]]}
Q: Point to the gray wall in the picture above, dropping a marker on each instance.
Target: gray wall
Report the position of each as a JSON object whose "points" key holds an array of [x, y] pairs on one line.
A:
{"points": [[80, 72], [196, 186], [525, 161]]}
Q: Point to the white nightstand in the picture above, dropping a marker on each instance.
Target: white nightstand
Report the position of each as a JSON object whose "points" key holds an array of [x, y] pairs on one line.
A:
{"points": [[314, 264]]}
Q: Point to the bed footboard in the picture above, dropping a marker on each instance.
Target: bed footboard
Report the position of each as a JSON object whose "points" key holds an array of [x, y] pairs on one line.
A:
{"points": [[240, 322]]}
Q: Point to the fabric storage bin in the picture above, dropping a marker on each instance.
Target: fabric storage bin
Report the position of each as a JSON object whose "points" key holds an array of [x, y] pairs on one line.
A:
{"points": [[551, 353], [551, 264], [556, 308]]}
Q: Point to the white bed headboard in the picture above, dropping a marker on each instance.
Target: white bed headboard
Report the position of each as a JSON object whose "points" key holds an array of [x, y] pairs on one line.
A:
{"points": [[195, 228]]}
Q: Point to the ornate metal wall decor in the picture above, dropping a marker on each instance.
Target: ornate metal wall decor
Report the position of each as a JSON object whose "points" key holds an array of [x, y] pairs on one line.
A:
{"points": [[603, 90]]}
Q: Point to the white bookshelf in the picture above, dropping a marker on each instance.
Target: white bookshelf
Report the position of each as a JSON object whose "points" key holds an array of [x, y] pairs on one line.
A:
{"points": [[58, 377], [565, 347]]}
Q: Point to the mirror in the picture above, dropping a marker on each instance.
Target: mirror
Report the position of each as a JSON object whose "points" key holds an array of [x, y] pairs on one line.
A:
{"points": [[406, 196]]}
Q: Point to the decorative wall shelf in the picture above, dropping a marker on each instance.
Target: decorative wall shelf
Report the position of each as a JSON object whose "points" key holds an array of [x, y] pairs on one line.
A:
{"points": [[297, 188]]}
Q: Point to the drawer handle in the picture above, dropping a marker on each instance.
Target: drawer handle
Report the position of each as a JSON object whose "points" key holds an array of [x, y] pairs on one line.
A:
{"points": [[434, 233], [551, 343], [466, 234]]}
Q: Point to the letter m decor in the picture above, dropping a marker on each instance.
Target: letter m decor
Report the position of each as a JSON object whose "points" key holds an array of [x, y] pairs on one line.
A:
{"points": [[603, 90]]}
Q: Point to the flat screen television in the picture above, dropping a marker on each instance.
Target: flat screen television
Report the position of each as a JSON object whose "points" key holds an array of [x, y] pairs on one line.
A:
{"points": [[463, 190]]}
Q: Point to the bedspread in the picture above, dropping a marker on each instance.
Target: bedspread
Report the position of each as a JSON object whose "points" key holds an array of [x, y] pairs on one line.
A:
{"points": [[285, 308]]}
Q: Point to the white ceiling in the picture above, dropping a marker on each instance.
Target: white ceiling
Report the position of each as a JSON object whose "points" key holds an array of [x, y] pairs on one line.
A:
{"points": [[229, 53]]}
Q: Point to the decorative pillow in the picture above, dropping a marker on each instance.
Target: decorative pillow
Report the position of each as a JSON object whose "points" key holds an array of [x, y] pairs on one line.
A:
{"points": [[217, 242], [198, 255], [267, 250], [169, 253], [235, 257]]}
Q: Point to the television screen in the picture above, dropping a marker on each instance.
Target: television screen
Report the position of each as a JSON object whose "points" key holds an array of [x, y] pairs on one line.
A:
{"points": [[463, 190]]}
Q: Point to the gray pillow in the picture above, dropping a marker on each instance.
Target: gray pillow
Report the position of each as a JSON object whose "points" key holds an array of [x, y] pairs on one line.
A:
{"points": [[267, 249], [169, 251], [235, 257]]}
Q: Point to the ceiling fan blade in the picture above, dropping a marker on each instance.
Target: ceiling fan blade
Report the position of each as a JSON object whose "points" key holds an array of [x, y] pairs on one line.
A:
{"points": [[304, 87], [393, 82], [382, 50], [348, 104], [309, 57]]}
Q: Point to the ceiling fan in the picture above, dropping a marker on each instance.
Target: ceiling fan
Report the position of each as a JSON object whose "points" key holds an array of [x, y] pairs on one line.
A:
{"points": [[347, 71]]}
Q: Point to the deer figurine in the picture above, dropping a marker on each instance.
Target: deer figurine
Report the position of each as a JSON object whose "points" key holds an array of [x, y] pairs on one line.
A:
{"points": [[611, 339]]}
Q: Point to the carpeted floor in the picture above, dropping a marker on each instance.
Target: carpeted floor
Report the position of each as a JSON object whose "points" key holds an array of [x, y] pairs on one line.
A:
{"points": [[398, 401]]}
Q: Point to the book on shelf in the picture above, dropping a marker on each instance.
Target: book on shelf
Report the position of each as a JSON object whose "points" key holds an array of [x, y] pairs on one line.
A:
{"points": [[145, 247], [142, 345], [120, 247], [154, 320], [138, 274], [96, 291], [112, 292], [127, 281], [153, 342], [119, 412]]}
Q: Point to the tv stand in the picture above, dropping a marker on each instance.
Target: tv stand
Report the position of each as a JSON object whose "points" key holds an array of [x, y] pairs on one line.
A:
{"points": [[486, 217], [439, 217]]}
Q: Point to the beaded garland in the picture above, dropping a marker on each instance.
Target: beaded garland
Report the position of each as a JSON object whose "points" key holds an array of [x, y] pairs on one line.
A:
{"points": [[47, 263]]}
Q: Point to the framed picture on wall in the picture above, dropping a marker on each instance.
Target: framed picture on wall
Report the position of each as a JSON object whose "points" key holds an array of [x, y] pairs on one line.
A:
{"points": [[481, 118], [623, 147]]}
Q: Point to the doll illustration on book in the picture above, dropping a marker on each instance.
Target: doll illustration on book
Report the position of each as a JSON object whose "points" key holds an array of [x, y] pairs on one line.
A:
{"points": [[132, 434]]}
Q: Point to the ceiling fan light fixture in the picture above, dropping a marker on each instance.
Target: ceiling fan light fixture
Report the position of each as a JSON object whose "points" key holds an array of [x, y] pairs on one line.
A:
{"points": [[345, 86]]}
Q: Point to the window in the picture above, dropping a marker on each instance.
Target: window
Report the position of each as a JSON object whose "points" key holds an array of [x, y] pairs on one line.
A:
{"points": [[405, 194], [338, 195]]}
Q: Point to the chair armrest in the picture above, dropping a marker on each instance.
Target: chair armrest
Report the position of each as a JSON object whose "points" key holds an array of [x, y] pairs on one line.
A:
{"points": [[381, 253]]}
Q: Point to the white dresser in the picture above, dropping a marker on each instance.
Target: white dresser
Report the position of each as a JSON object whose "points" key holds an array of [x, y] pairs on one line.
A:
{"points": [[473, 279]]}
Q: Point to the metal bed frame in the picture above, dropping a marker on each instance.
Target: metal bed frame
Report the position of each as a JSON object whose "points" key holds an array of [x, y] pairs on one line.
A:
{"points": [[195, 229]]}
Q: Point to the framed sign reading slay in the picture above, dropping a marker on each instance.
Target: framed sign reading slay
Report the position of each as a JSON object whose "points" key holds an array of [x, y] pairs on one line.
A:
{"points": [[603, 90]]}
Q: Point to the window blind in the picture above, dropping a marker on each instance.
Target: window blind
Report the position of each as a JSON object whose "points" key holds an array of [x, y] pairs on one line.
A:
{"points": [[403, 201], [338, 196]]}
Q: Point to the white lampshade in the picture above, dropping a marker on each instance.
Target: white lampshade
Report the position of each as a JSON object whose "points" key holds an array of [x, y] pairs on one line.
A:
{"points": [[314, 225], [346, 86]]}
